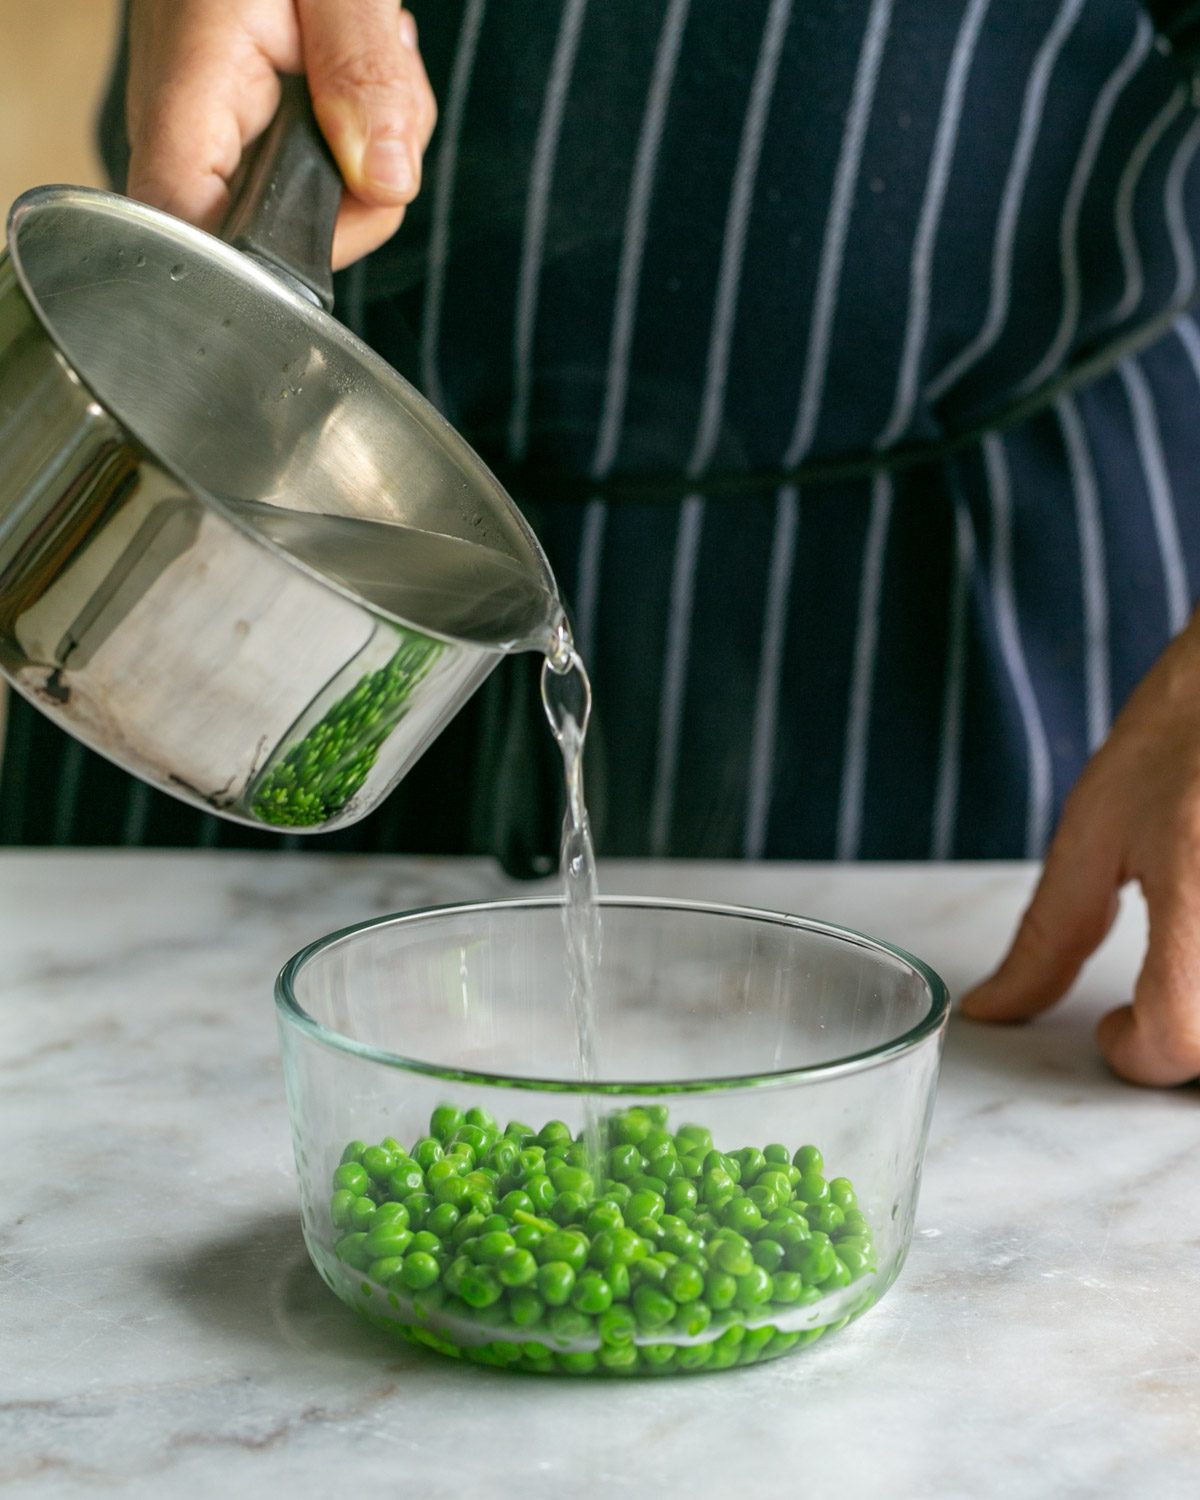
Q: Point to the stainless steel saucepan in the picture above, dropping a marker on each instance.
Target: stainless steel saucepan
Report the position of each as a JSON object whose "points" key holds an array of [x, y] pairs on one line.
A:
{"points": [[239, 555]]}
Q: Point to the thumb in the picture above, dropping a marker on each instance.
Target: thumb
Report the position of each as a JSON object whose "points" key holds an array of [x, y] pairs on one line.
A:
{"points": [[369, 94], [1072, 909]]}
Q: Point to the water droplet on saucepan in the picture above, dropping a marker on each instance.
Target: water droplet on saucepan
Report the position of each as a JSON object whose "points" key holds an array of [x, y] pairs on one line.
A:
{"points": [[178, 271], [140, 261]]}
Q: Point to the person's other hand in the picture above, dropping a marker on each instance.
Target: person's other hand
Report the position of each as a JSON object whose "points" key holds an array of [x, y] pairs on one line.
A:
{"points": [[1133, 815], [203, 84]]}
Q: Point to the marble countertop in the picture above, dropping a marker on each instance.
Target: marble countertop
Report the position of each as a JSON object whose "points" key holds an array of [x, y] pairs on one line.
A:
{"points": [[162, 1333]]}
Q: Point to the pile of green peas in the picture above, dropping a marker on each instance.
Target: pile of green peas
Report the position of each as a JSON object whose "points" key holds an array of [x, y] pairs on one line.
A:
{"points": [[502, 1246], [321, 772]]}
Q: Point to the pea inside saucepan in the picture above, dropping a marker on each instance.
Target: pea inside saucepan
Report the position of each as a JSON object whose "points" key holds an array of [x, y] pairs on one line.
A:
{"points": [[500, 1246]]}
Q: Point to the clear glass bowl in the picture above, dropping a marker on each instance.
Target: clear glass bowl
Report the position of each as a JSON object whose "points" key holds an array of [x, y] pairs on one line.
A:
{"points": [[766, 1032]]}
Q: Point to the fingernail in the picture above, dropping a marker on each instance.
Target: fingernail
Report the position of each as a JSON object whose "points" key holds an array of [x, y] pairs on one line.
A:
{"points": [[408, 30], [388, 164]]}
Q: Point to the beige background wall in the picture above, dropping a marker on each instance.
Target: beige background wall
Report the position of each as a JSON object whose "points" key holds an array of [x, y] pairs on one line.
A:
{"points": [[54, 57]]}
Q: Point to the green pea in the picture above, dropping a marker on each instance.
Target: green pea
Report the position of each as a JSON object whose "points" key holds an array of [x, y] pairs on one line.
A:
{"points": [[619, 1193], [828, 1218], [419, 1271], [517, 1268], [362, 1213], [474, 1136], [604, 1216], [352, 1176], [454, 1273], [555, 1282], [777, 1181], [777, 1153], [339, 1207], [720, 1288], [470, 1226], [515, 1200], [752, 1161], [429, 1243], [617, 1327], [855, 1259], [696, 1137], [692, 1319], [808, 1159], [442, 1220], [657, 1355], [754, 1288], [480, 1287], [540, 1190], [650, 1230], [652, 1270], [349, 1249], [624, 1163], [419, 1206], [480, 1117], [444, 1121], [816, 1262], [504, 1155], [569, 1208], [564, 1245], [383, 1269], [353, 1152], [591, 1293], [568, 1322], [666, 1169], [841, 1275], [427, 1150], [681, 1194], [755, 1343], [527, 1236], [854, 1221], [578, 1362], [407, 1178], [554, 1132], [616, 1273], [733, 1257], [684, 1282], [786, 1286], [443, 1170], [572, 1180], [653, 1308], [388, 1239], [630, 1127], [766, 1200], [796, 1232], [768, 1254], [694, 1357], [657, 1114], [525, 1307], [645, 1205], [743, 1215], [494, 1246], [451, 1190], [379, 1163], [532, 1159]]}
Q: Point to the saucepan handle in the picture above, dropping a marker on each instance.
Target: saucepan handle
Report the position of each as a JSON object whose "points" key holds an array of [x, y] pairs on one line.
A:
{"points": [[287, 201]]}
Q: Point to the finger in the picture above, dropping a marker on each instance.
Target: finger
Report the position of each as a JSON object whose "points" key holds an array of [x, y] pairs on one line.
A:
{"points": [[192, 106], [361, 229], [368, 91], [1156, 1040], [1072, 909]]}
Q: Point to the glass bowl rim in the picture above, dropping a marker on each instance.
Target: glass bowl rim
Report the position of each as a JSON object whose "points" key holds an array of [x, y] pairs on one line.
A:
{"points": [[293, 1013]]}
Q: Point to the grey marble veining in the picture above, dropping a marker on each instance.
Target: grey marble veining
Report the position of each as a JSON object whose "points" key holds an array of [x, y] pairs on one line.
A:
{"points": [[162, 1334]]}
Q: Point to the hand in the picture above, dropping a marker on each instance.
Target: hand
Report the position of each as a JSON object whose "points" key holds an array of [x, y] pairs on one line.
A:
{"points": [[1133, 815], [203, 83]]}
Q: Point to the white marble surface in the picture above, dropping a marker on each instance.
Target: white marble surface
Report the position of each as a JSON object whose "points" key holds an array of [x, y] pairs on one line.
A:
{"points": [[161, 1332]]}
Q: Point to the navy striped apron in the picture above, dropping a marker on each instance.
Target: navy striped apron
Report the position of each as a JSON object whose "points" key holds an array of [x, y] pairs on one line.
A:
{"points": [[841, 357]]}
